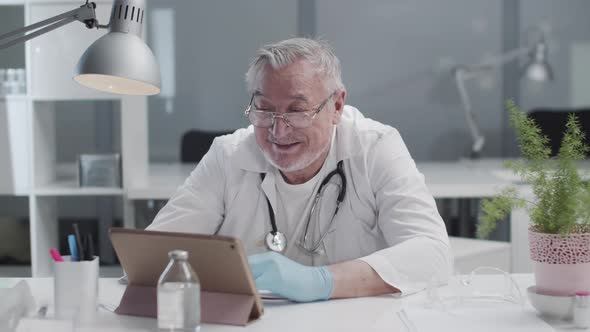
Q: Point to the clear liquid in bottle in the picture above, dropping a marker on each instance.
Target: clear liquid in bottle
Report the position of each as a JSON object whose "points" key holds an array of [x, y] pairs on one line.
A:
{"points": [[179, 296]]}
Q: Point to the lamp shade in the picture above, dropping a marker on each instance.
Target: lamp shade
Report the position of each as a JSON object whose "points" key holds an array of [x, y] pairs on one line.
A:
{"points": [[537, 68], [120, 62], [539, 72]]}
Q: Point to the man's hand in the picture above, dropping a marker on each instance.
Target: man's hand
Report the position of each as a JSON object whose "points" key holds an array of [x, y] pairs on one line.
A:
{"points": [[280, 275]]}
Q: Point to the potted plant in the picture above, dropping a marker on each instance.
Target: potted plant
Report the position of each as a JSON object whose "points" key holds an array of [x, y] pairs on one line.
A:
{"points": [[559, 234]]}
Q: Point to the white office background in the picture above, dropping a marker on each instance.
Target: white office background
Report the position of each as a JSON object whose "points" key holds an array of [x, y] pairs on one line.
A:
{"points": [[395, 56]]}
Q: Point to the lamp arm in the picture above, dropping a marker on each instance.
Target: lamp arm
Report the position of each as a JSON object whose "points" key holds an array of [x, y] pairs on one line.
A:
{"points": [[476, 135], [464, 73], [38, 32], [84, 14], [497, 61]]}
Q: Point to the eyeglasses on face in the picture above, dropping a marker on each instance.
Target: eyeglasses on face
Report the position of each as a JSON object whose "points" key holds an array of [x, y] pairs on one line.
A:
{"points": [[264, 118]]}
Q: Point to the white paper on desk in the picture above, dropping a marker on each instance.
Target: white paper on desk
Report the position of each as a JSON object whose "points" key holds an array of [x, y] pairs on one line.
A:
{"points": [[111, 329], [15, 302], [41, 324], [499, 317]]}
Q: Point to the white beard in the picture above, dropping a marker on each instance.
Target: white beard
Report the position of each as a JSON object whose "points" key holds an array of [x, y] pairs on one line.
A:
{"points": [[303, 162]]}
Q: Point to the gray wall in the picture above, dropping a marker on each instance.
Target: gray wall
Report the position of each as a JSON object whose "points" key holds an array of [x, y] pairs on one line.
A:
{"points": [[11, 18], [215, 41], [395, 57], [566, 23]]}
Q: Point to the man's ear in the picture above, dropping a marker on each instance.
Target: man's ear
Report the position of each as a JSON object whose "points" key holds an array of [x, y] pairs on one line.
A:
{"points": [[339, 102]]}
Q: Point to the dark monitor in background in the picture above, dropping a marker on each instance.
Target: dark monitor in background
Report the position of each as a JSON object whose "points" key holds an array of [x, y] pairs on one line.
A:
{"points": [[195, 143], [552, 123]]}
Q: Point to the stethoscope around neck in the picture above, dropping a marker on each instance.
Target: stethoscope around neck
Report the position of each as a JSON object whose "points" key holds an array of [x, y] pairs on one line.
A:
{"points": [[276, 240]]}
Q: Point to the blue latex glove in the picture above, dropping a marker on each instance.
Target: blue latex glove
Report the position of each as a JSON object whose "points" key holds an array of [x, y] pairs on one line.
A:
{"points": [[280, 275]]}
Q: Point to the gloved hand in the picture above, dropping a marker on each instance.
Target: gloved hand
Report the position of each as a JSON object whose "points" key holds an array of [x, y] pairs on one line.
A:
{"points": [[280, 275]]}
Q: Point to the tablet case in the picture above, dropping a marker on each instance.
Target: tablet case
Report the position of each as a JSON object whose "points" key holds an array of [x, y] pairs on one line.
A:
{"points": [[228, 292]]}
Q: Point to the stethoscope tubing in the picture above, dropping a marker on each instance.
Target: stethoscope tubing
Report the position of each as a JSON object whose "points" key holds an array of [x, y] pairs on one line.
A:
{"points": [[274, 229]]}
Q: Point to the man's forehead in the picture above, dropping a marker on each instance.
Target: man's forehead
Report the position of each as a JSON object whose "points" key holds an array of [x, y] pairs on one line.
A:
{"points": [[295, 96], [299, 80]]}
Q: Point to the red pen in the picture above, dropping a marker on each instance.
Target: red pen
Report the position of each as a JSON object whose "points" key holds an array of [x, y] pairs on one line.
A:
{"points": [[55, 254]]}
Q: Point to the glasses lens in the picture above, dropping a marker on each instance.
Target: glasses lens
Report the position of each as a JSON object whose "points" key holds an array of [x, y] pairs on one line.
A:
{"points": [[298, 120], [482, 288], [477, 287], [260, 119]]}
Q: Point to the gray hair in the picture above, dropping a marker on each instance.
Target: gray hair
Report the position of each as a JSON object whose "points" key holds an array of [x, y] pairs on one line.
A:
{"points": [[285, 52]]}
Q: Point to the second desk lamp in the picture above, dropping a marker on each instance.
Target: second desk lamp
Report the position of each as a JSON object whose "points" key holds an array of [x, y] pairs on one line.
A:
{"points": [[536, 68]]}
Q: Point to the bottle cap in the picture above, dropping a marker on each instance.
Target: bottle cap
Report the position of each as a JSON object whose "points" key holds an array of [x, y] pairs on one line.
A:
{"points": [[178, 254]]}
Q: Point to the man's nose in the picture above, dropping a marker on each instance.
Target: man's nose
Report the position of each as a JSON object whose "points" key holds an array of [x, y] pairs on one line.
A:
{"points": [[280, 127]]}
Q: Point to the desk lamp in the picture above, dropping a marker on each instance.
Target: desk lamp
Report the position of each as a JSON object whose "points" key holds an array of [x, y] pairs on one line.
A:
{"points": [[536, 69], [118, 62]]}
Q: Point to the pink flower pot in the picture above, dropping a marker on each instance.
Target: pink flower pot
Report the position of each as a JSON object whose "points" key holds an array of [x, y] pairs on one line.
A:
{"points": [[562, 262]]}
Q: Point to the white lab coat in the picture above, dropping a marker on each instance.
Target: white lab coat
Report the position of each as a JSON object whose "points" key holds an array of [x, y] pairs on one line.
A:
{"points": [[388, 217]]}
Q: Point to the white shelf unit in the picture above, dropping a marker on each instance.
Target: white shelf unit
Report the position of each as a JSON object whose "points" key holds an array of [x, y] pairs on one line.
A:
{"points": [[71, 188], [14, 146], [28, 131]]}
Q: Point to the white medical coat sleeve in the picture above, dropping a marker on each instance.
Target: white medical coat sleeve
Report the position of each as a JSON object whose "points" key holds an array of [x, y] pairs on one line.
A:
{"points": [[197, 205], [419, 250]]}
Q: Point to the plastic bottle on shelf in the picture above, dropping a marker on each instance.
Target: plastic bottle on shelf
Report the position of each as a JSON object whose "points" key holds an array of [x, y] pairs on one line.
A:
{"points": [[21, 81], [2, 81]]}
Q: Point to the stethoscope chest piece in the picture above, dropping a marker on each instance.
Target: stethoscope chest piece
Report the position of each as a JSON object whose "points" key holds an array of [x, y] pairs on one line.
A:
{"points": [[276, 242]]}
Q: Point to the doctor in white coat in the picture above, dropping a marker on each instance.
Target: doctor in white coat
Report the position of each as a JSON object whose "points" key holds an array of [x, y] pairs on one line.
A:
{"points": [[328, 203]]}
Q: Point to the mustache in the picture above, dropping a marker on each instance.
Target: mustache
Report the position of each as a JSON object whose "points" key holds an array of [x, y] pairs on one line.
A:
{"points": [[283, 141]]}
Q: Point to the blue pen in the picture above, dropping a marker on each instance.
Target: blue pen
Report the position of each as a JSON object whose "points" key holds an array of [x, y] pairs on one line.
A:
{"points": [[73, 247]]}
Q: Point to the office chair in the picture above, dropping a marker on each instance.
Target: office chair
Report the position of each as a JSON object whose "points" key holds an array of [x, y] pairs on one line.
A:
{"points": [[195, 143], [552, 124]]}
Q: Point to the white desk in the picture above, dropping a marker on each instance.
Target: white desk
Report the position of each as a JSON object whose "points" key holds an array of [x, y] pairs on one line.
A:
{"points": [[461, 179], [162, 181], [464, 178], [363, 314]]}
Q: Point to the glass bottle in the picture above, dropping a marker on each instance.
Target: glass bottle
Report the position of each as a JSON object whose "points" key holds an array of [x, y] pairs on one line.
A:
{"points": [[179, 295], [582, 310]]}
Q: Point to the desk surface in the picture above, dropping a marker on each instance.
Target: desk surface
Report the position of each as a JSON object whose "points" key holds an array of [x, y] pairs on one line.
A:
{"points": [[459, 179], [363, 314], [163, 180]]}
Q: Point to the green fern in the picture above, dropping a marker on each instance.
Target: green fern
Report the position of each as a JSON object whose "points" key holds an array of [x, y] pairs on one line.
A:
{"points": [[562, 197]]}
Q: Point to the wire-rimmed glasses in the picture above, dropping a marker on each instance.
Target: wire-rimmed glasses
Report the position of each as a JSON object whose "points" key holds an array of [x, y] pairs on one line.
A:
{"points": [[473, 287], [265, 118]]}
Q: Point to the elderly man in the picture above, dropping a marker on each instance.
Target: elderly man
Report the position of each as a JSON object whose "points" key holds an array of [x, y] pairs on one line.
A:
{"points": [[329, 204]]}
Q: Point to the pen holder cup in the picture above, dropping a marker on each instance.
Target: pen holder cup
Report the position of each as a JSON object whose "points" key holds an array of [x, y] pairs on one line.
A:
{"points": [[75, 288]]}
